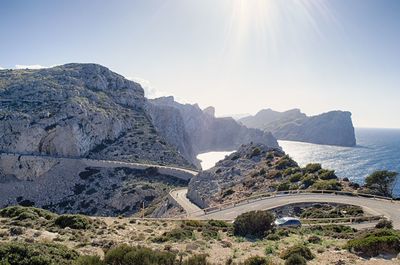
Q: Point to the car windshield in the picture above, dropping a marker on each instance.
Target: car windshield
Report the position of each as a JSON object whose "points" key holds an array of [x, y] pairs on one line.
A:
{"points": [[281, 221]]}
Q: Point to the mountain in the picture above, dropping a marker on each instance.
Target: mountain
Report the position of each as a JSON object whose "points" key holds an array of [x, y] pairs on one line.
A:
{"points": [[331, 128], [53, 120], [258, 168], [79, 110], [199, 130]]}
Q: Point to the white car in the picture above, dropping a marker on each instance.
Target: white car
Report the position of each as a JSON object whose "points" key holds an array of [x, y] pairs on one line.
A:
{"points": [[288, 222]]}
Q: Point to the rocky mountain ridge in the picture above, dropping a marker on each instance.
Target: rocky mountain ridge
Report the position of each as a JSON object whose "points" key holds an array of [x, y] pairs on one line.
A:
{"points": [[199, 130], [331, 128], [79, 110]]}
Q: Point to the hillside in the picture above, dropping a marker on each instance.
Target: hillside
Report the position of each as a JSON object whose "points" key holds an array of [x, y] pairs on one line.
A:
{"points": [[331, 128], [257, 168]]}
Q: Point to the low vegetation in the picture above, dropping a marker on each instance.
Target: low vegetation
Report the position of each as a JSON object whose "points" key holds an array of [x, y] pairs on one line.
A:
{"points": [[73, 221], [375, 242], [255, 224]]}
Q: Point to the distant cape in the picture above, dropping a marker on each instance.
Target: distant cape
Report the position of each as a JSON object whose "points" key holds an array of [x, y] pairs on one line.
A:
{"points": [[331, 128]]}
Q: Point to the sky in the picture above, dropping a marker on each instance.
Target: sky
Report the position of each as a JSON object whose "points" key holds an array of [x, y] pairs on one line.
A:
{"points": [[239, 56]]}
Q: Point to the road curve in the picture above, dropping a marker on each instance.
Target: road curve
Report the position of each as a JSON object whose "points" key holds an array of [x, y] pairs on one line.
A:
{"points": [[390, 210]]}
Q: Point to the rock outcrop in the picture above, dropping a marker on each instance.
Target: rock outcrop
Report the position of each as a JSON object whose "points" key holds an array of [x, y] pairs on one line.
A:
{"points": [[257, 168], [196, 131], [331, 128], [79, 110]]}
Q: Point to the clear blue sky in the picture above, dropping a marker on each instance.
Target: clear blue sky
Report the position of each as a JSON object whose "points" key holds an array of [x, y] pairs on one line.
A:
{"points": [[237, 55]]}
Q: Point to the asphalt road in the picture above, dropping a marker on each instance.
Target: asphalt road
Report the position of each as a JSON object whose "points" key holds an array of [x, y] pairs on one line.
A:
{"points": [[389, 209]]}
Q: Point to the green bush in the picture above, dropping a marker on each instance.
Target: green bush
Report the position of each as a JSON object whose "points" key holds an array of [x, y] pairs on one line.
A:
{"points": [[254, 224], [196, 260], [295, 259], [327, 185], [373, 243], [384, 224], [74, 221], [273, 237], [89, 260], [308, 180], [23, 213], [17, 253], [327, 174], [283, 186], [295, 177], [177, 234], [256, 260], [312, 168], [300, 249], [127, 255], [314, 239], [218, 223]]}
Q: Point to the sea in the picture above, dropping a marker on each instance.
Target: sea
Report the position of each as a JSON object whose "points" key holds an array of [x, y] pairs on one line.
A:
{"points": [[377, 149]]}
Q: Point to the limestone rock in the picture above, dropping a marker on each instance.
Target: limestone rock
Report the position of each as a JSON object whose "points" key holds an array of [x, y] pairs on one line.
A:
{"points": [[331, 128]]}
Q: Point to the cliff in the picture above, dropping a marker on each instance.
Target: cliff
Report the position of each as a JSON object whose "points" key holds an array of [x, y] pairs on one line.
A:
{"points": [[199, 130], [331, 128], [79, 110]]}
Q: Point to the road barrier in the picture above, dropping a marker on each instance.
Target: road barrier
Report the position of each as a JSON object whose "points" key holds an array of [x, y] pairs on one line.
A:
{"points": [[266, 195]]}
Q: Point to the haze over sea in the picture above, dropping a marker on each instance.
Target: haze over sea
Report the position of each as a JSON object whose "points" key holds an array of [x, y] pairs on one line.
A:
{"points": [[377, 149]]}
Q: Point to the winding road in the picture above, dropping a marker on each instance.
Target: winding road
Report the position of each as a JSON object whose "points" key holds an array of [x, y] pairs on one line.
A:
{"points": [[390, 210]]}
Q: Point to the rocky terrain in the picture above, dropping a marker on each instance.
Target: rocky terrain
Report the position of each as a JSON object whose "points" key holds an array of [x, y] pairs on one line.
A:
{"points": [[79, 110], [331, 128], [71, 186], [196, 131], [257, 168]]}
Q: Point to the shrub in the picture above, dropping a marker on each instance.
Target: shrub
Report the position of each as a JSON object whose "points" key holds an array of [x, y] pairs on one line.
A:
{"points": [[256, 260], [327, 174], [327, 185], [254, 224], [22, 213], [89, 260], [308, 180], [285, 162], [314, 239], [218, 223], [373, 243], [381, 182], [16, 253], [312, 168], [283, 186], [177, 234], [300, 250], [384, 224], [295, 259], [126, 255], [196, 260], [295, 177], [73, 221], [273, 237]]}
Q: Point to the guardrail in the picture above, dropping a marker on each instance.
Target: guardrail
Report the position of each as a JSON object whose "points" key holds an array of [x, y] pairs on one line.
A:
{"points": [[349, 219], [261, 196]]}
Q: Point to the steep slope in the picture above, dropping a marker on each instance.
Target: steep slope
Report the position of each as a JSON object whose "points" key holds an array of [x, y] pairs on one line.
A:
{"points": [[331, 128], [257, 168], [78, 110], [201, 131]]}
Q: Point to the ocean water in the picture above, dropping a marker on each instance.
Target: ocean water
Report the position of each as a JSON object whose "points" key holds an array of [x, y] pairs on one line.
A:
{"points": [[208, 160], [377, 149]]}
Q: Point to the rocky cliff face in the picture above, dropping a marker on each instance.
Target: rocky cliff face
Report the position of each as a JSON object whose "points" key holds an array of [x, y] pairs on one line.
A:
{"points": [[71, 186], [78, 110], [331, 128], [199, 130]]}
